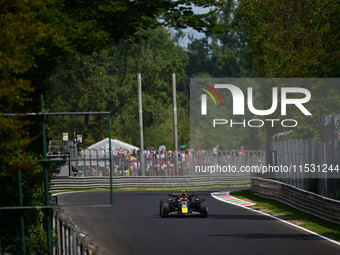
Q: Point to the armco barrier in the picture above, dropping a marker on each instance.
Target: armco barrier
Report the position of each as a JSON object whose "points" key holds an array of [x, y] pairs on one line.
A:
{"points": [[70, 183], [309, 202]]}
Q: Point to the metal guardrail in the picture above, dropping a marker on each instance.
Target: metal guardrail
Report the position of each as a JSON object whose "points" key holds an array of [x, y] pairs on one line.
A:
{"points": [[71, 239], [69, 183], [309, 202]]}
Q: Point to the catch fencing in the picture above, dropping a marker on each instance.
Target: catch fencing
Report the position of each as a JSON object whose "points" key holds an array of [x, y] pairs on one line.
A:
{"points": [[300, 153], [190, 163]]}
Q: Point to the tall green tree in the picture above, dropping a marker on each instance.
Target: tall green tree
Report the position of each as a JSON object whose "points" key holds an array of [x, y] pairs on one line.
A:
{"points": [[226, 54], [108, 82], [296, 39], [48, 33], [293, 38], [20, 30], [36, 37], [223, 55]]}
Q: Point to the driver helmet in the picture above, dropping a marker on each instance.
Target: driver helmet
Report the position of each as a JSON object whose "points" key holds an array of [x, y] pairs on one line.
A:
{"points": [[183, 193]]}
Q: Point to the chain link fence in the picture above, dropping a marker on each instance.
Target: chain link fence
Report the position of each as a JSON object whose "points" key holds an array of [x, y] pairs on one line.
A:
{"points": [[159, 163], [313, 166]]}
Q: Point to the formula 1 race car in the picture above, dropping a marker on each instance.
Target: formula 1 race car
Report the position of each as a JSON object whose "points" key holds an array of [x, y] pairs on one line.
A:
{"points": [[183, 205]]}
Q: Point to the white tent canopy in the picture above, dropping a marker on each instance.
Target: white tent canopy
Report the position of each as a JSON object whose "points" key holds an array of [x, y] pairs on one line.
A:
{"points": [[102, 147]]}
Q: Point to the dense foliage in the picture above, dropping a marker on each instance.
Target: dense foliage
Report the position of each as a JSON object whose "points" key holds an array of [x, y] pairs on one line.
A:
{"points": [[293, 38], [296, 39], [107, 81], [40, 38], [84, 55]]}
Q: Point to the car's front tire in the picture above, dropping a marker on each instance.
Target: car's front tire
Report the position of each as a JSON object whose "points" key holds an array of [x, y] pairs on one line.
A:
{"points": [[203, 209], [164, 208]]}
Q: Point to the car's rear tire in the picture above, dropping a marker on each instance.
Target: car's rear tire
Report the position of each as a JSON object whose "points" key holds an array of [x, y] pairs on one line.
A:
{"points": [[164, 208], [203, 209]]}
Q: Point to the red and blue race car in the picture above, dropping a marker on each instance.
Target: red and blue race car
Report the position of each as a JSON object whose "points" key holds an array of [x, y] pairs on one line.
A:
{"points": [[184, 205]]}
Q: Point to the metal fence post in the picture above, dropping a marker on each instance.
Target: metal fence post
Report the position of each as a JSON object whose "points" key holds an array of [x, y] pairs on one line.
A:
{"points": [[47, 195], [175, 123], [140, 110], [22, 223], [75, 243]]}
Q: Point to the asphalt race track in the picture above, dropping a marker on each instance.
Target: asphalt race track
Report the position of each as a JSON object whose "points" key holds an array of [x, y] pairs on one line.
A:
{"points": [[133, 226]]}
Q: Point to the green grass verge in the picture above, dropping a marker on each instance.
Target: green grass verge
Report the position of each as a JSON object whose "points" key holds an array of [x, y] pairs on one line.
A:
{"points": [[283, 211]]}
